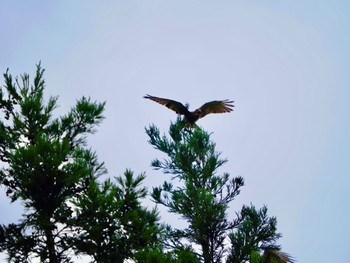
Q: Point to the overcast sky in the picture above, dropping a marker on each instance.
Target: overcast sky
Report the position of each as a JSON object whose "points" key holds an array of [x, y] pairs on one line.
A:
{"points": [[284, 63]]}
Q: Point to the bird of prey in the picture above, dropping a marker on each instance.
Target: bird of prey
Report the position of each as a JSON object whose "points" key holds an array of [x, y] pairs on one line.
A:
{"points": [[190, 117]]}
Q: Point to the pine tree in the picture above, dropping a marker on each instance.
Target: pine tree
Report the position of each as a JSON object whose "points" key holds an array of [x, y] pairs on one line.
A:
{"points": [[255, 234], [201, 196], [44, 164], [111, 223], [48, 168]]}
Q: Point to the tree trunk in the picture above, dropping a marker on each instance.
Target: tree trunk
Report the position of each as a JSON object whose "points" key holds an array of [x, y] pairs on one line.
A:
{"points": [[206, 253], [50, 242]]}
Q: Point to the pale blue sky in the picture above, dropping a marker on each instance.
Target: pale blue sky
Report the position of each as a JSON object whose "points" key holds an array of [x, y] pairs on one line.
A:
{"points": [[285, 63]]}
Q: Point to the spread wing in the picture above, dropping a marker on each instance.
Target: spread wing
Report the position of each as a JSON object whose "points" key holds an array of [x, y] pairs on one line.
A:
{"points": [[176, 106], [216, 106]]}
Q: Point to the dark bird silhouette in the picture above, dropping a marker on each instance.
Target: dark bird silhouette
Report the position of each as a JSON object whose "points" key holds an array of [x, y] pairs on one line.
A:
{"points": [[190, 117]]}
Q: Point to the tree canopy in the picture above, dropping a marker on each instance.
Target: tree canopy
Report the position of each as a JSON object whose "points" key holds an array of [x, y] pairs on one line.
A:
{"points": [[47, 166], [202, 197]]}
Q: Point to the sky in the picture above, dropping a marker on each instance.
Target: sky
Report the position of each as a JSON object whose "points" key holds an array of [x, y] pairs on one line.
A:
{"points": [[284, 63]]}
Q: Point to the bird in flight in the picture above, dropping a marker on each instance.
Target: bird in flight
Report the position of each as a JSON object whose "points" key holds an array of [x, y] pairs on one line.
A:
{"points": [[190, 117]]}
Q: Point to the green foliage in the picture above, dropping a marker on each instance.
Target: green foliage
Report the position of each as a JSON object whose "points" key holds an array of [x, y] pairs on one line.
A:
{"points": [[45, 164], [201, 197], [17, 245], [255, 232], [47, 167], [154, 255], [157, 255], [111, 223], [255, 257]]}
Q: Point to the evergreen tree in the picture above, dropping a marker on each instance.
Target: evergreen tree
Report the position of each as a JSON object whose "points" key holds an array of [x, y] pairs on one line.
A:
{"points": [[48, 168], [44, 164], [201, 197], [255, 234], [111, 223]]}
